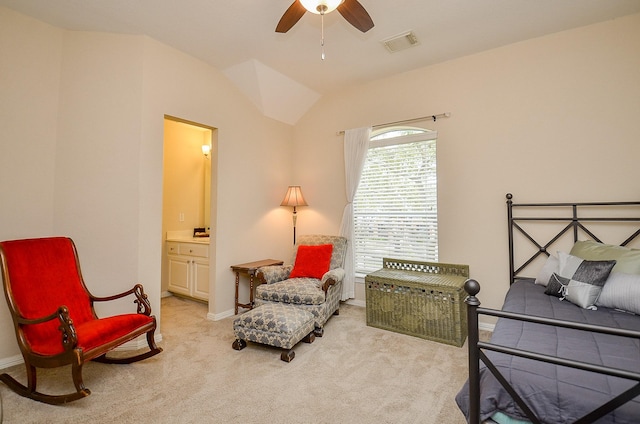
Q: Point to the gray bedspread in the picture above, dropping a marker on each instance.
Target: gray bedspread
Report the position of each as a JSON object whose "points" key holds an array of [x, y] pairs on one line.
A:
{"points": [[557, 394]]}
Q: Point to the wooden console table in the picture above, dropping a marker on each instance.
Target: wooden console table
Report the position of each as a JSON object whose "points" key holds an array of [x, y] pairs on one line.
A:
{"points": [[250, 269]]}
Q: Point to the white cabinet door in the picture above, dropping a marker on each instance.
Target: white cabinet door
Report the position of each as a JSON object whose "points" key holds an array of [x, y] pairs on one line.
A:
{"points": [[200, 281], [179, 274]]}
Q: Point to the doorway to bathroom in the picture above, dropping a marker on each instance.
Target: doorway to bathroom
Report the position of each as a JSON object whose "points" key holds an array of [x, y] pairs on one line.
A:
{"points": [[188, 208]]}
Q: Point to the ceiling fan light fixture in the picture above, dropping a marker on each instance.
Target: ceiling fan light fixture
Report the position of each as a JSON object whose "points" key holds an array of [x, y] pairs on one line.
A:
{"points": [[321, 7]]}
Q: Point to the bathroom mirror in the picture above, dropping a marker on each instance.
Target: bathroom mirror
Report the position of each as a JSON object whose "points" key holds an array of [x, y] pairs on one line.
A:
{"points": [[207, 193]]}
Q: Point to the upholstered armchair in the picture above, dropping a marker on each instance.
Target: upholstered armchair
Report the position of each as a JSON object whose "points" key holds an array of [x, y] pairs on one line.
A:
{"points": [[313, 281]]}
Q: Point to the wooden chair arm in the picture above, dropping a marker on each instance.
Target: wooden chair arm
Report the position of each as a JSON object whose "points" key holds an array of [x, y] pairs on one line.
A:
{"points": [[30, 321], [144, 306], [332, 277], [69, 336], [328, 283]]}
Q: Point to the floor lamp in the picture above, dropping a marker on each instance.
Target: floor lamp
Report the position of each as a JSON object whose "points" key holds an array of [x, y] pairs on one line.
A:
{"points": [[294, 198]]}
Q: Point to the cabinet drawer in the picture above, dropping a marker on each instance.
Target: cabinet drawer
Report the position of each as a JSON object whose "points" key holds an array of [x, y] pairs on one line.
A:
{"points": [[173, 248], [193, 249]]}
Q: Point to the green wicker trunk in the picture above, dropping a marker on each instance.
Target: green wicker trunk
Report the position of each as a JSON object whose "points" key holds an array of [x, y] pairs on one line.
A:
{"points": [[422, 299]]}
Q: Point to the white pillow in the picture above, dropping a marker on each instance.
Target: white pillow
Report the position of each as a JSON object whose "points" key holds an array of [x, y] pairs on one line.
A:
{"points": [[621, 291], [550, 266]]}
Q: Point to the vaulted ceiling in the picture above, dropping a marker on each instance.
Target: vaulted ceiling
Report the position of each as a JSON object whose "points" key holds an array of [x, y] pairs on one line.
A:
{"points": [[283, 74]]}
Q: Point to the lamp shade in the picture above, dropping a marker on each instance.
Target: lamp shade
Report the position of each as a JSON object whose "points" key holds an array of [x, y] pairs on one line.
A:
{"points": [[294, 197], [320, 6]]}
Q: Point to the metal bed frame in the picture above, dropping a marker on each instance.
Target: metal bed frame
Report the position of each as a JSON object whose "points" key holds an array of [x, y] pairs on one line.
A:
{"points": [[576, 221]]}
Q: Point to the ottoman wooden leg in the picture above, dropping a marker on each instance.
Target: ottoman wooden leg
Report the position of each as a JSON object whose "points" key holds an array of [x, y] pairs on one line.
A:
{"points": [[288, 355], [309, 338], [319, 332], [239, 344]]}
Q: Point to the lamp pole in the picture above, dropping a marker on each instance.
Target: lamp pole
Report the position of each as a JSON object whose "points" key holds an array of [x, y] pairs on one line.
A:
{"points": [[295, 218]]}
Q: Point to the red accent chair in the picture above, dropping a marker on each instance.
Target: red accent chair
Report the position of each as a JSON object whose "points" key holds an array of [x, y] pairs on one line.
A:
{"points": [[54, 317]]}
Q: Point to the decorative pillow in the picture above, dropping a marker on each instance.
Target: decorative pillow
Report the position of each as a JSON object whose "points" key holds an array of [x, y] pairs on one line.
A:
{"points": [[622, 291], [585, 279], [550, 266], [627, 260], [556, 286], [312, 261]]}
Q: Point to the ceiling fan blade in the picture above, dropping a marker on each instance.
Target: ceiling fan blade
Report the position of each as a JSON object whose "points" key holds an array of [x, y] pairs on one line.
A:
{"points": [[356, 15], [291, 17]]}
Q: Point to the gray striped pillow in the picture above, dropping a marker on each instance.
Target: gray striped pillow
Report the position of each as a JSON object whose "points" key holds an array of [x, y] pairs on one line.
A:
{"points": [[621, 291]]}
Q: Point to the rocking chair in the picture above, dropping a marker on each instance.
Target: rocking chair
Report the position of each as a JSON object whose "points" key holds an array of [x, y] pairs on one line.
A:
{"points": [[54, 317]]}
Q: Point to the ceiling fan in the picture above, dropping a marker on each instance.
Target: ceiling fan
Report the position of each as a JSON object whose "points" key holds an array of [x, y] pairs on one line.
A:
{"points": [[351, 10]]}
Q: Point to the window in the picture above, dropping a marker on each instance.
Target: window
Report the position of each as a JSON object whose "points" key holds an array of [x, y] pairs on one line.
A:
{"points": [[395, 207]]}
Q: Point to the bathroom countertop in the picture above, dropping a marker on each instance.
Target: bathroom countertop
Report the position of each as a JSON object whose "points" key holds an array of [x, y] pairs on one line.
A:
{"points": [[200, 240], [185, 237]]}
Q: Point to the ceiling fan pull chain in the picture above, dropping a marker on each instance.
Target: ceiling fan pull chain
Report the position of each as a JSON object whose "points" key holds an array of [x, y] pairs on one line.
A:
{"points": [[322, 34]]}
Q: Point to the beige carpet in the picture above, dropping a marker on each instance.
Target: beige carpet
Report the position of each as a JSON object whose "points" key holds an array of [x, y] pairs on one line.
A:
{"points": [[354, 374]]}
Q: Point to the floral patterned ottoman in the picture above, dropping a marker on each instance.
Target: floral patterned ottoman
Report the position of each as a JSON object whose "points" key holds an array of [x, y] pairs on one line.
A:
{"points": [[274, 325]]}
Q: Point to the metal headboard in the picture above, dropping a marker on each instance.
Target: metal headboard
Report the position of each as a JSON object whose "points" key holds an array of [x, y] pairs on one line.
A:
{"points": [[576, 220]]}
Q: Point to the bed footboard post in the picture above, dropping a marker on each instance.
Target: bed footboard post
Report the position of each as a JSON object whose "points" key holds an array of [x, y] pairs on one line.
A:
{"points": [[472, 288], [510, 221]]}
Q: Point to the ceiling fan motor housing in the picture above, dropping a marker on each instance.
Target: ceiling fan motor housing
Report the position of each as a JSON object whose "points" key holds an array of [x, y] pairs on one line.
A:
{"points": [[320, 7]]}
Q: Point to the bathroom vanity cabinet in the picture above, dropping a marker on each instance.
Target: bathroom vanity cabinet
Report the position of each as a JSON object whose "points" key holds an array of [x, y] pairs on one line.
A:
{"points": [[188, 268]]}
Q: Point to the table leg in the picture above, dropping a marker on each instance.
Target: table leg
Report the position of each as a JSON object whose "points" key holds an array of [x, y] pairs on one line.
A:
{"points": [[237, 285], [251, 290]]}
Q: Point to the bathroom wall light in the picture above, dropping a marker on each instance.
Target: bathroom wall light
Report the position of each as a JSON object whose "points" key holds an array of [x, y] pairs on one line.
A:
{"points": [[206, 150]]}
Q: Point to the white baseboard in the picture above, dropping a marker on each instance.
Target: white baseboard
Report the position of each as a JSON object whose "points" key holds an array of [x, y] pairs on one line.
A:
{"points": [[11, 361], [139, 343], [486, 326], [354, 302], [221, 315]]}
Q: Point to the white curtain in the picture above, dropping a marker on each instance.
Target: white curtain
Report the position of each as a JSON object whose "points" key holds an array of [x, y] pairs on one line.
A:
{"points": [[356, 143]]}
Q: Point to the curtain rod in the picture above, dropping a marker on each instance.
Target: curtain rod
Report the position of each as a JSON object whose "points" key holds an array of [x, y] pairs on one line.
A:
{"points": [[406, 121]]}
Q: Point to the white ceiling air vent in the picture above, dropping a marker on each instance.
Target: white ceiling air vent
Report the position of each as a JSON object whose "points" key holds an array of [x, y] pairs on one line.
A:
{"points": [[401, 41]]}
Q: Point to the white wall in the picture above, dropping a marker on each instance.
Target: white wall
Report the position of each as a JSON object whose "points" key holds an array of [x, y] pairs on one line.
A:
{"points": [[549, 119], [82, 156], [29, 81], [97, 156]]}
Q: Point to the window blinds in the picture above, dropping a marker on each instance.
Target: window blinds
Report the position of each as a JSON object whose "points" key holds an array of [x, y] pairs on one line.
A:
{"points": [[395, 207]]}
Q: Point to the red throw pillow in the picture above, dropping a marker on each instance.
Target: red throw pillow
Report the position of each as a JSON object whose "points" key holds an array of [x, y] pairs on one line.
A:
{"points": [[312, 261]]}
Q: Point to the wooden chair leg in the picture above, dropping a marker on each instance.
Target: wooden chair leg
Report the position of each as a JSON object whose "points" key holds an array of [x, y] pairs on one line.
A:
{"points": [[76, 375], [32, 379]]}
